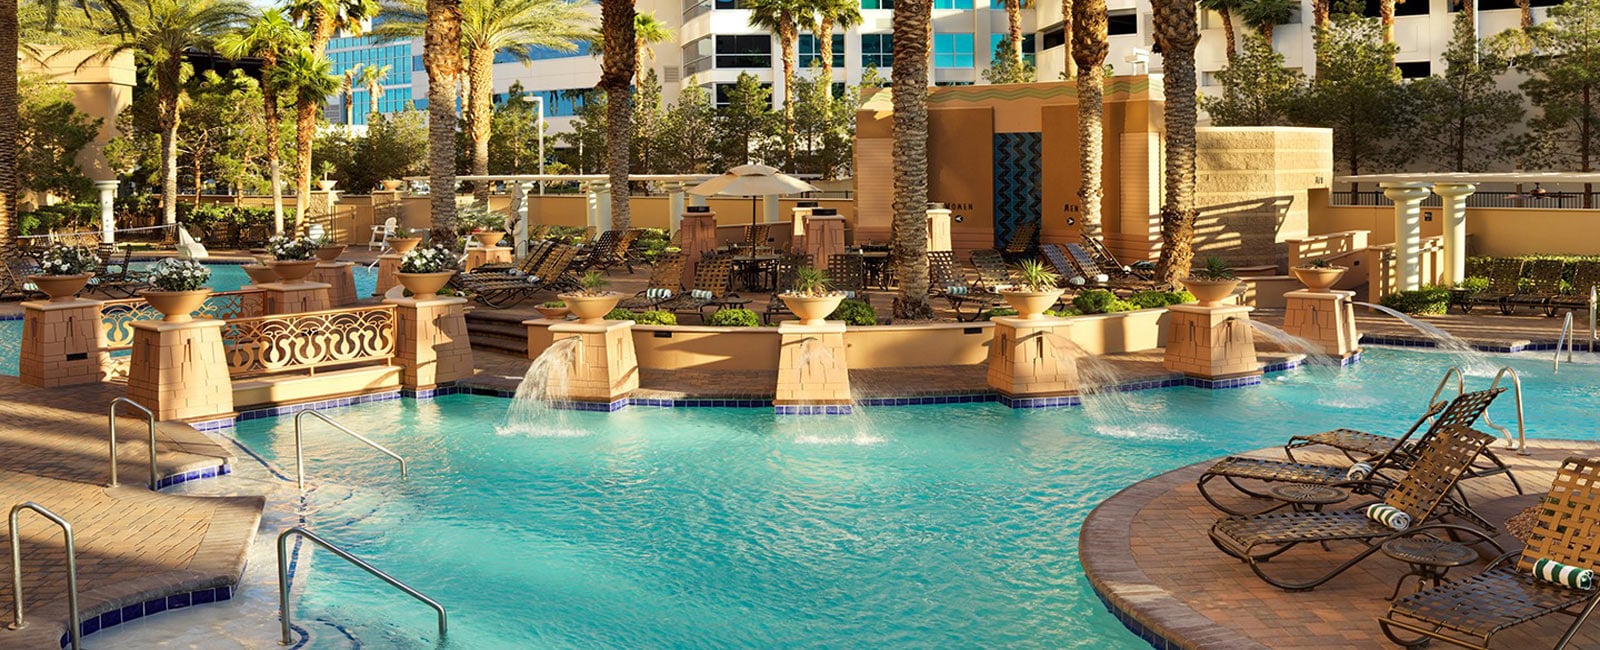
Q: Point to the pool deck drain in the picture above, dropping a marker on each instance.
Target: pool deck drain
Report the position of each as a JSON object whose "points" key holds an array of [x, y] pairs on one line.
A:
{"points": [[1147, 554]]}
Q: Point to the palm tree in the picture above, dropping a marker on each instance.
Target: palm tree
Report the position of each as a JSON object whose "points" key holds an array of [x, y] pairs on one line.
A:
{"points": [[782, 18], [347, 94], [617, 68], [1264, 15], [372, 78], [270, 36], [1224, 9], [441, 57], [324, 18], [830, 14], [1525, 8], [1386, 18], [1178, 35], [910, 100], [162, 31], [647, 32], [489, 27], [1014, 27], [9, 43], [1089, 48], [308, 79]]}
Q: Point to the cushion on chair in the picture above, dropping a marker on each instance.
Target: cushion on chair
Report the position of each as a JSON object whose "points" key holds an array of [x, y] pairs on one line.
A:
{"points": [[956, 290]]}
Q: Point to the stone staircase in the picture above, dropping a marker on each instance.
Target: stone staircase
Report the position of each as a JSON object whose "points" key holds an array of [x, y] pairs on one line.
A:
{"points": [[498, 331]]}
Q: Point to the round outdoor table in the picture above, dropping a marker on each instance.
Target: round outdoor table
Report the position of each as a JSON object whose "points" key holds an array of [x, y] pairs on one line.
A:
{"points": [[747, 269], [1307, 498], [1429, 559], [876, 265]]}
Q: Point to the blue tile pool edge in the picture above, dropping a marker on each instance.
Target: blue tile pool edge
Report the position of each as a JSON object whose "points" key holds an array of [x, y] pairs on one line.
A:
{"points": [[129, 613]]}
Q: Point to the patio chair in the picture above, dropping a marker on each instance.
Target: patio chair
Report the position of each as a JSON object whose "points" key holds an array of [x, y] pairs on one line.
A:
{"points": [[1255, 539], [1504, 274], [381, 233], [1021, 243], [13, 283], [758, 235], [1057, 259], [502, 290], [783, 276], [847, 272], [1468, 612], [1585, 274], [1097, 276], [601, 254], [528, 265], [116, 277], [666, 279], [993, 273], [1544, 283], [948, 280], [1108, 262], [711, 278], [1461, 412]]}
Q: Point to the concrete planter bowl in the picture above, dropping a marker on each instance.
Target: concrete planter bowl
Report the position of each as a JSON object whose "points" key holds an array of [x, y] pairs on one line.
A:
{"points": [[591, 309], [489, 239], [1318, 279], [812, 310], [291, 271], [403, 245], [61, 288], [553, 313], [176, 306], [330, 253], [424, 285], [1210, 293], [1030, 305], [260, 273]]}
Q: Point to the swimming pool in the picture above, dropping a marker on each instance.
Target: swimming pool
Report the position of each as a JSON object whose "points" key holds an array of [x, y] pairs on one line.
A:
{"points": [[911, 526]]}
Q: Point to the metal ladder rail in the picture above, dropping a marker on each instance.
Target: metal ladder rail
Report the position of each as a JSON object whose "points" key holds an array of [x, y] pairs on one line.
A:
{"points": [[72, 570], [151, 418], [299, 456], [1461, 385], [1567, 338], [1521, 443], [284, 612], [1593, 300]]}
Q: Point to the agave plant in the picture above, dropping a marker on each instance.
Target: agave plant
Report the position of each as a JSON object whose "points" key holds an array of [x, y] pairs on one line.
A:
{"points": [[809, 281], [1214, 269], [1033, 275], [593, 283]]}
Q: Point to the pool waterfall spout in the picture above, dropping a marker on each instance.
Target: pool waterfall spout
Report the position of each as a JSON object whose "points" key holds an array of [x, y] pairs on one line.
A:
{"points": [[1467, 358], [813, 373], [544, 386], [1294, 344]]}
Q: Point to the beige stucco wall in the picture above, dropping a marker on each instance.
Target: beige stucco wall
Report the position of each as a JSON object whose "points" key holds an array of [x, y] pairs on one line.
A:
{"points": [[1490, 231], [100, 88], [1253, 190]]}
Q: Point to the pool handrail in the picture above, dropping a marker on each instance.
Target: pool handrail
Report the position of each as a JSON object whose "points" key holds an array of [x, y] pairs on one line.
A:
{"points": [[1461, 385], [299, 456], [284, 611], [72, 570], [1567, 338], [150, 417], [1521, 443]]}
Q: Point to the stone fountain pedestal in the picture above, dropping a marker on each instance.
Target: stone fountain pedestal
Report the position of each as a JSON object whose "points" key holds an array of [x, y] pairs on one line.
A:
{"points": [[432, 345], [813, 378], [180, 370], [1027, 368], [341, 280], [605, 368], [1326, 318], [1211, 343], [388, 266], [296, 297], [61, 343]]}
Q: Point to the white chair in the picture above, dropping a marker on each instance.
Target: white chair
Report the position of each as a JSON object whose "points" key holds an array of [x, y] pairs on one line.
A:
{"points": [[381, 233]]}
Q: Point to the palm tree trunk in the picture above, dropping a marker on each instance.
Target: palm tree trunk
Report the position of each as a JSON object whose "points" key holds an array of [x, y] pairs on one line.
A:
{"points": [[825, 48], [442, 59], [374, 93], [1266, 33], [1089, 51], [788, 38], [305, 126], [910, 98], [269, 110], [1014, 28], [1319, 14], [480, 115], [1228, 35], [1386, 18], [1175, 22], [167, 117], [1525, 8], [1066, 28], [617, 68], [321, 27], [1469, 12], [8, 125]]}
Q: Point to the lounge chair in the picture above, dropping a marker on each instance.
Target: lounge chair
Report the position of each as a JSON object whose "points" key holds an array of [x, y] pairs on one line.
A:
{"points": [[1585, 274], [1108, 262], [116, 277], [993, 273], [1440, 463], [783, 276], [502, 290], [13, 282], [1468, 612], [601, 254], [711, 277], [947, 280], [847, 272], [666, 280], [1100, 277], [528, 265], [1504, 274], [1544, 283], [1021, 244], [1056, 257]]}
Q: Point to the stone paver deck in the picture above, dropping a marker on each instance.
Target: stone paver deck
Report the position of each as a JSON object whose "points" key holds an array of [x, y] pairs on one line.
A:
{"points": [[133, 545], [1146, 550]]}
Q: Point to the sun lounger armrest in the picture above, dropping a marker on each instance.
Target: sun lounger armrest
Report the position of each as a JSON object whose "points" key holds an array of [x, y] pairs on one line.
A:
{"points": [[1508, 555]]}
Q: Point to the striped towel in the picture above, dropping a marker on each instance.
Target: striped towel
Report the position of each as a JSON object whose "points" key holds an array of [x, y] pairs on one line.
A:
{"points": [[1555, 572], [849, 295], [1078, 281], [1358, 472], [700, 294], [956, 290], [1389, 516], [657, 293]]}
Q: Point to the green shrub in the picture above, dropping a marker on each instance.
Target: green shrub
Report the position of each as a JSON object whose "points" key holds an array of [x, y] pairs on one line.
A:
{"points": [[621, 314], [1154, 299], [855, 312], [1427, 300], [1474, 284], [997, 312], [655, 317], [733, 318], [1100, 301], [1065, 312]]}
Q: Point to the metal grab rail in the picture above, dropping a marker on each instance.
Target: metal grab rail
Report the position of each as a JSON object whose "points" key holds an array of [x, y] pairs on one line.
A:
{"points": [[1521, 444], [283, 580], [1593, 300], [1566, 337], [72, 570], [299, 457], [151, 417], [1461, 385]]}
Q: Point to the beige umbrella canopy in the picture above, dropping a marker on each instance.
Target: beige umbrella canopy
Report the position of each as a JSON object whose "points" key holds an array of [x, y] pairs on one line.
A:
{"points": [[752, 180]]}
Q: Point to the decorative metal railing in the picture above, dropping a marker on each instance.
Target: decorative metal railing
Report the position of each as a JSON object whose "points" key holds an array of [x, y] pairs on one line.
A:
{"points": [[117, 316], [310, 340]]}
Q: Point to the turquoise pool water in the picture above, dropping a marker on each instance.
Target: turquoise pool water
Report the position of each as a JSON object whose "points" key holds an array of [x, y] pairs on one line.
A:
{"points": [[931, 526]]}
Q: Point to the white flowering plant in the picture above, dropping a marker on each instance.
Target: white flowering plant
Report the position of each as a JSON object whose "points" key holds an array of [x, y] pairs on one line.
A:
{"points": [[291, 249], [432, 259], [62, 259], [179, 275]]}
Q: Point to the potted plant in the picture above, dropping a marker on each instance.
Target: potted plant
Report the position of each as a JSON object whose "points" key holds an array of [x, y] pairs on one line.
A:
{"points": [[393, 185], [329, 250], [811, 299], [326, 184], [294, 258], [178, 288], [591, 302], [553, 310], [425, 271], [65, 270], [1319, 275], [260, 273], [1211, 282], [1035, 290], [487, 238], [402, 241]]}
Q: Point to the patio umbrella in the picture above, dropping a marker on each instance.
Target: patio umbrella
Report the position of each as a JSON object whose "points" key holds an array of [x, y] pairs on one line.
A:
{"points": [[752, 181]]}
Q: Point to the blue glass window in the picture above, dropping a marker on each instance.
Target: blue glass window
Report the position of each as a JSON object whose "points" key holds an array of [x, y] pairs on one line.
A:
{"points": [[952, 50], [952, 4], [877, 50], [542, 53], [809, 52], [877, 4], [1027, 45]]}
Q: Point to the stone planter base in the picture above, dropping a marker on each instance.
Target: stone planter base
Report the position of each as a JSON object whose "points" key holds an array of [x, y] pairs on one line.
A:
{"points": [[1211, 342], [811, 367]]}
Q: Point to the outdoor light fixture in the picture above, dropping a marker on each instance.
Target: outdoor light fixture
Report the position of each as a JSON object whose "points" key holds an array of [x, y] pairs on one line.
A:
{"points": [[1537, 192]]}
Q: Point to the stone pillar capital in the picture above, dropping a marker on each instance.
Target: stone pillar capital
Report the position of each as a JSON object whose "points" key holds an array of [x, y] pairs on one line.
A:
{"points": [[106, 185], [1405, 192], [1454, 189]]}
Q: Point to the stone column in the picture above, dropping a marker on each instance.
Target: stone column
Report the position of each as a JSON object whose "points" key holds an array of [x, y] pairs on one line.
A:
{"points": [[432, 346], [108, 213], [769, 209], [341, 280], [296, 298], [797, 225], [1030, 366], [1407, 199], [480, 256], [519, 202], [813, 376], [1325, 318], [602, 206], [388, 266], [605, 368], [61, 343], [699, 237], [179, 370], [674, 205], [329, 200], [939, 229], [1211, 343], [1455, 228], [824, 235]]}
